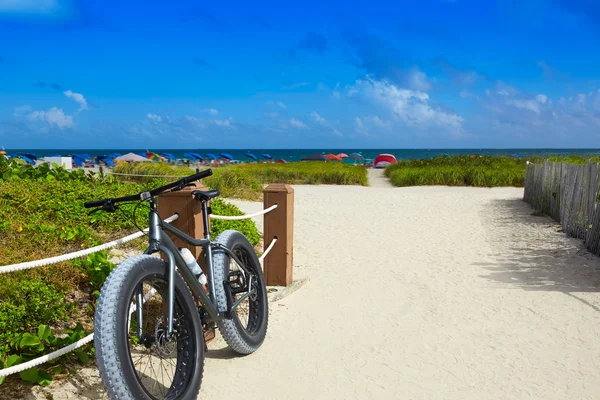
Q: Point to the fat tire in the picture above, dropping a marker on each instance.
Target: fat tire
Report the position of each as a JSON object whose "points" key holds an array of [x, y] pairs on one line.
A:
{"points": [[235, 336], [110, 340]]}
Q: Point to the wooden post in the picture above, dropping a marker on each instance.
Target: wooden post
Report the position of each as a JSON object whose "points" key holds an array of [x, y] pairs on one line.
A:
{"points": [[190, 217], [279, 223]]}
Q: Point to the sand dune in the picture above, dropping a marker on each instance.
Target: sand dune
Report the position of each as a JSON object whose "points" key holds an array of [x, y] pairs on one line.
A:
{"points": [[421, 293]]}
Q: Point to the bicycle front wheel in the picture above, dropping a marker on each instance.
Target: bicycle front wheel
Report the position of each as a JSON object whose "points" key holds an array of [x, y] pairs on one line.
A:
{"points": [[154, 366], [246, 330]]}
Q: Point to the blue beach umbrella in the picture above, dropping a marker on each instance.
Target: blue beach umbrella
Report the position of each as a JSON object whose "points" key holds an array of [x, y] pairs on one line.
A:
{"points": [[227, 156], [198, 156], [26, 159], [266, 155], [252, 156], [169, 156], [356, 156], [211, 155], [31, 156]]}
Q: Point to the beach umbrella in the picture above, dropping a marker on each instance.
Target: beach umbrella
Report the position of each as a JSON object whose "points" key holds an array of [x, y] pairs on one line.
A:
{"points": [[78, 161], [252, 156], [342, 155], [131, 157], [356, 156], [227, 156], [266, 155], [333, 157], [26, 159], [281, 161], [315, 157], [86, 156], [31, 156], [198, 156], [211, 155], [169, 156]]}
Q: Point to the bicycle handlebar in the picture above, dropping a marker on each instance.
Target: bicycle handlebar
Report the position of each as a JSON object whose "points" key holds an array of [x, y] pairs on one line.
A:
{"points": [[154, 192]]}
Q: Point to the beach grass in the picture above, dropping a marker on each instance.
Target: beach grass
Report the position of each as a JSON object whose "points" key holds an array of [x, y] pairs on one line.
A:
{"points": [[480, 171], [458, 171], [246, 181]]}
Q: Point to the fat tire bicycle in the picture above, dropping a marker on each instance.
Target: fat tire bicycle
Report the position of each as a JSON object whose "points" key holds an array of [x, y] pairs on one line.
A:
{"points": [[152, 315]]}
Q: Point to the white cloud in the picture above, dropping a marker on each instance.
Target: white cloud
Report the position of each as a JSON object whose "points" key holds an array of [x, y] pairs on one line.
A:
{"points": [[418, 80], [581, 98], [53, 116], [224, 123], [531, 105], [279, 104], [297, 124], [29, 6], [296, 85], [381, 123], [78, 97], [212, 111], [20, 111], [410, 106], [154, 117], [360, 127], [325, 123], [541, 98]]}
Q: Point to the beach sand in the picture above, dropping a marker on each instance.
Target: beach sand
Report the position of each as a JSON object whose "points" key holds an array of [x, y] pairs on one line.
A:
{"points": [[418, 293]]}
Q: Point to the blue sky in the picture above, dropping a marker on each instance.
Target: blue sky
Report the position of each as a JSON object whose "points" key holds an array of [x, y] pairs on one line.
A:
{"points": [[267, 74]]}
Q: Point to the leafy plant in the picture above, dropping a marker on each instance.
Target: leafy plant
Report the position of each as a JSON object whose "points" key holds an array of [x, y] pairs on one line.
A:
{"points": [[28, 346]]}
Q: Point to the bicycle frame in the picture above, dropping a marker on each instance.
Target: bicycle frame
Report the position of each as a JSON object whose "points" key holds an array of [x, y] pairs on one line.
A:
{"points": [[159, 241]]}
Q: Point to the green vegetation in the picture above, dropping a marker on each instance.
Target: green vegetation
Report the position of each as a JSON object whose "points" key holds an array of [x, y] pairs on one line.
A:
{"points": [[458, 171], [483, 171], [246, 181], [42, 215]]}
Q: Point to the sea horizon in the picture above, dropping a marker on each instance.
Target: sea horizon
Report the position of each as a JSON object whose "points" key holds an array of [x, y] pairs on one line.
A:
{"points": [[294, 154]]}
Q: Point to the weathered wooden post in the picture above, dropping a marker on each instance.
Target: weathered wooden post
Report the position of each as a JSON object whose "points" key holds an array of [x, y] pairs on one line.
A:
{"points": [[279, 223], [190, 217]]}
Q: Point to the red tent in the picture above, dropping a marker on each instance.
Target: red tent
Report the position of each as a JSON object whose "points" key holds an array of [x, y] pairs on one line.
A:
{"points": [[384, 159]]}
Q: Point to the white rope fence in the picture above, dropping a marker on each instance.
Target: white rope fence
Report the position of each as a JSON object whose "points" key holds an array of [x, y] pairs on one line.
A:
{"points": [[238, 217], [76, 254], [70, 256], [262, 257]]}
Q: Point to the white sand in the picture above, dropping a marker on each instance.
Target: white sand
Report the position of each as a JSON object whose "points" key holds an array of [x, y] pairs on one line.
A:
{"points": [[421, 293]]}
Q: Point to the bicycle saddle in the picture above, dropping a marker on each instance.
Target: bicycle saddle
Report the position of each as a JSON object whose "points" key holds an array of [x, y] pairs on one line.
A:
{"points": [[205, 195]]}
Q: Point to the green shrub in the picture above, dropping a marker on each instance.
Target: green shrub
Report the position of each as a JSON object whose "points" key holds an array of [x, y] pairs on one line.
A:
{"points": [[27, 303]]}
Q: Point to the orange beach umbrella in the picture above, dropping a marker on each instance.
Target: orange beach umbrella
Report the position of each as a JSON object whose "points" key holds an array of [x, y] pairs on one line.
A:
{"points": [[333, 157]]}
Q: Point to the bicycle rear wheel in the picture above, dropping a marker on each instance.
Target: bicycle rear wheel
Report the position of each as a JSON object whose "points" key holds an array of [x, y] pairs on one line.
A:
{"points": [[154, 367], [247, 329]]}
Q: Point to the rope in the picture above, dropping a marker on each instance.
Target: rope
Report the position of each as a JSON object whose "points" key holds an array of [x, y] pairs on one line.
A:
{"points": [[238, 217], [267, 250], [77, 254], [60, 352], [40, 360]]}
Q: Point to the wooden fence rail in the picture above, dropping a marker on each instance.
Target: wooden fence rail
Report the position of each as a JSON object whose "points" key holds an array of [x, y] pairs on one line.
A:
{"points": [[569, 194]]}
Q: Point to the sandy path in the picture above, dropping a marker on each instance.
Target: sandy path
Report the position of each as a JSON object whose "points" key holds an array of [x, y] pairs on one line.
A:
{"points": [[422, 293], [377, 179]]}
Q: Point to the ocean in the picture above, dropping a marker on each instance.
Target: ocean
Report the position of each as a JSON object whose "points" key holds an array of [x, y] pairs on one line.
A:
{"points": [[298, 154]]}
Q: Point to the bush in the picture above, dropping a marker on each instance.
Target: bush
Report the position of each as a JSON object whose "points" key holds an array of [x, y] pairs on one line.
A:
{"points": [[458, 171], [27, 303]]}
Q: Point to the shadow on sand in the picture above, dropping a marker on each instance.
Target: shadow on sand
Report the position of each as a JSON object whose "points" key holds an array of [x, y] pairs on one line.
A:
{"points": [[533, 253]]}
